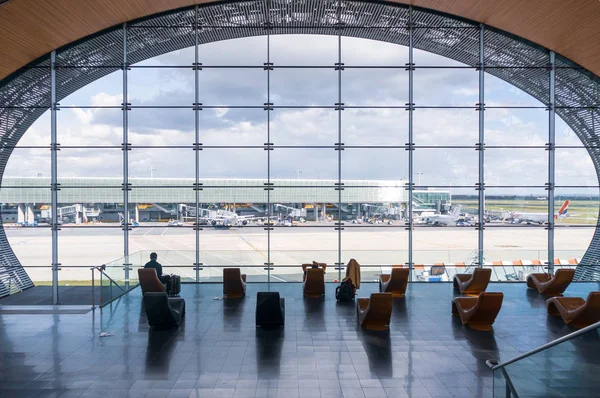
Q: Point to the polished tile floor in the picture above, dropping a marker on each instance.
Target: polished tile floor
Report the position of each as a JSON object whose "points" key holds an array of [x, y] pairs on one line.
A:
{"points": [[319, 353]]}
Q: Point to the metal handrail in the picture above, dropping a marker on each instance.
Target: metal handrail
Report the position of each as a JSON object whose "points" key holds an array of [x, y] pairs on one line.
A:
{"points": [[551, 344]]}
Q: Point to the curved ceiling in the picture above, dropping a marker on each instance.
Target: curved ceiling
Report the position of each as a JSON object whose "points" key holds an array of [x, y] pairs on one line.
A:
{"points": [[567, 27]]}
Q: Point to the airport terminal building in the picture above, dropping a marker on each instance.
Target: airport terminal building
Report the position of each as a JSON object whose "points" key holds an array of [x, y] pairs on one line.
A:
{"points": [[25, 200]]}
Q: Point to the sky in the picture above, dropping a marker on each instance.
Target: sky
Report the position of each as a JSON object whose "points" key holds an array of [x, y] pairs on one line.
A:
{"points": [[300, 127]]}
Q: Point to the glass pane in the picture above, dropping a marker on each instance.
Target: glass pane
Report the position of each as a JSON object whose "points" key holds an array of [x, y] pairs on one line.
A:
{"points": [[576, 206], [513, 252], [89, 127], [161, 86], [304, 87], [306, 242], [525, 206], [106, 91], [228, 163], [303, 127], [443, 127], [86, 246], [87, 163], [365, 52], [442, 246], [516, 167], [446, 87], [446, 166], [233, 86], [303, 50], [183, 57], [233, 126], [376, 246], [375, 87], [305, 164], [163, 163], [161, 127], [574, 167], [386, 164], [247, 51], [374, 127], [500, 93], [516, 127], [37, 161]]}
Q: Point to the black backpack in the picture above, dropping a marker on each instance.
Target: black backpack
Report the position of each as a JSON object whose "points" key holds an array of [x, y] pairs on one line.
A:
{"points": [[345, 291]]}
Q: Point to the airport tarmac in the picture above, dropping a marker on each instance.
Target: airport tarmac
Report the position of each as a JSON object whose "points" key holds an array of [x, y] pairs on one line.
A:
{"points": [[378, 246]]}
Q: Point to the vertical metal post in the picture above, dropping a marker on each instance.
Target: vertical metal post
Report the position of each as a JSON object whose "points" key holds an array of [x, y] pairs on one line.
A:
{"points": [[93, 289], [125, 149], [551, 161], [411, 68], [268, 108], [339, 142], [197, 142], [54, 176], [481, 149]]}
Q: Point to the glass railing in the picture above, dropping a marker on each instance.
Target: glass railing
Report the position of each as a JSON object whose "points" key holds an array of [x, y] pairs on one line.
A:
{"points": [[566, 367]]}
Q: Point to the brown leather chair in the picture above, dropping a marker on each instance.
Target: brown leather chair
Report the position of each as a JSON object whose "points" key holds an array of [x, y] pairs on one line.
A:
{"points": [[234, 283], [575, 310], [478, 312], [474, 283], [551, 285], [149, 281], [395, 282], [374, 313], [314, 282]]}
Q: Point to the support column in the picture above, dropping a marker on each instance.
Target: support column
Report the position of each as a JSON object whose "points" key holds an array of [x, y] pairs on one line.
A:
{"points": [[410, 144], [125, 147], [54, 178], [197, 144], [20, 213], [339, 146], [268, 66], [137, 213], [481, 148], [551, 161]]}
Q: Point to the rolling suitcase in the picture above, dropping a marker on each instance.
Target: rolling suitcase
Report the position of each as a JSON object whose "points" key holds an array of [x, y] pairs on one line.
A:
{"points": [[174, 285]]}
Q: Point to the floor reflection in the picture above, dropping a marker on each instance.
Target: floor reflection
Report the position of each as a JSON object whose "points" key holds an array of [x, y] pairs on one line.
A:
{"points": [[269, 345], [314, 314], [378, 347]]}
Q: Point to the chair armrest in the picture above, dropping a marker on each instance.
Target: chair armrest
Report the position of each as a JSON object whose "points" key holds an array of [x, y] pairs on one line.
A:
{"points": [[362, 304], [244, 277], [465, 303], [463, 277]]}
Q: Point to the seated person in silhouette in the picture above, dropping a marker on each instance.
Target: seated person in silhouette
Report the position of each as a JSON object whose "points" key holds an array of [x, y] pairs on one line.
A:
{"points": [[155, 264]]}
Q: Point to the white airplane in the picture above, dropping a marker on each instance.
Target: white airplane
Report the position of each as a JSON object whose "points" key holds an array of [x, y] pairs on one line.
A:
{"points": [[227, 218], [444, 219], [540, 218]]}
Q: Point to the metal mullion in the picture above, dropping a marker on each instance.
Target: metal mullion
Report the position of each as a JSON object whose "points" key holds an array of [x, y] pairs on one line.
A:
{"points": [[551, 160], [197, 142], [268, 108], [410, 141], [54, 177], [125, 158], [339, 141], [481, 144]]}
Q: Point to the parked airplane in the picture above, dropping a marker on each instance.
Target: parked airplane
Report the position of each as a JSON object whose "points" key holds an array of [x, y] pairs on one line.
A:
{"points": [[444, 219], [540, 218]]}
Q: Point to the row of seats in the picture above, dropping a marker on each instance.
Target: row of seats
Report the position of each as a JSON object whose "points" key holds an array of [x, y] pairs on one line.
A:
{"points": [[479, 311], [573, 310]]}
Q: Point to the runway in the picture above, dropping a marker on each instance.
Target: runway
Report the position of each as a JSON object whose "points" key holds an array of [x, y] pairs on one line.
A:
{"points": [[376, 247]]}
